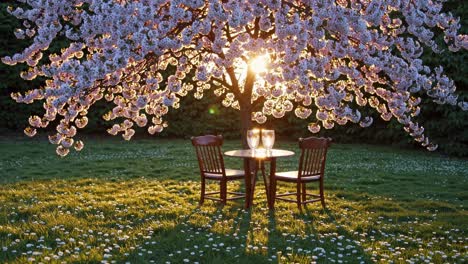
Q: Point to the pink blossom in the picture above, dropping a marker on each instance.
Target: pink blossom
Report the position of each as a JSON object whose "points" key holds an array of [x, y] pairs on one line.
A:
{"points": [[142, 56]]}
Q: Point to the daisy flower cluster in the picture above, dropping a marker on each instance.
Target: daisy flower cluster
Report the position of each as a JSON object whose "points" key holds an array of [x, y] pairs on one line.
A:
{"points": [[125, 222]]}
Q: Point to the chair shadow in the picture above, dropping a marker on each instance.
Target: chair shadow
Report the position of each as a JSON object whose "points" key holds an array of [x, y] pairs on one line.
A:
{"points": [[223, 233], [216, 243], [311, 215]]}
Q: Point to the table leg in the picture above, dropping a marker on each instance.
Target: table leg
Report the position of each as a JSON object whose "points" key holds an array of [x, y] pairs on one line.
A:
{"points": [[272, 182], [253, 180], [248, 183], [266, 180], [255, 174]]}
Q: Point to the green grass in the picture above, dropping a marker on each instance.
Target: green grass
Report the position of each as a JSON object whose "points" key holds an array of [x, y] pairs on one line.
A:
{"points": [[138, 202]]}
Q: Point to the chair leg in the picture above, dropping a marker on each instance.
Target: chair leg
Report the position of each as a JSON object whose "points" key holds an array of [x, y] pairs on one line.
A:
{"points": [[298, 196], [223, 191], [304, 196], [202, 192], [272, 192], [322, 196]]}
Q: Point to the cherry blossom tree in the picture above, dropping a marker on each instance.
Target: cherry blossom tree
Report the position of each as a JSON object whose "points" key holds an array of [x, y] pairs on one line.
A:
{"points": [[322, 59]]}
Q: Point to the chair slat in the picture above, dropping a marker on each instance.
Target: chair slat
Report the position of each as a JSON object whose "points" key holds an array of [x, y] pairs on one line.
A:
{"points": [[215, 156], [209, 156], [315, 162], [312, 158], [208, 159], [205, 161], [220, 162]]}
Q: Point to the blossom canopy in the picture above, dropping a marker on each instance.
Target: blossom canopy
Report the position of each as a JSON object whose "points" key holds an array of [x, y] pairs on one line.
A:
{"points": [[324, 60]]}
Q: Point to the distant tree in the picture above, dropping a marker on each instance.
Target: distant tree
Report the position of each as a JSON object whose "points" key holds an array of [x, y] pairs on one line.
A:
{"points": [[264, 57]]}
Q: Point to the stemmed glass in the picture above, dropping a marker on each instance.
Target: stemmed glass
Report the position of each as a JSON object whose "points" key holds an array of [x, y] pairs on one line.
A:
{"points": [[268, 139], [253, 138]]}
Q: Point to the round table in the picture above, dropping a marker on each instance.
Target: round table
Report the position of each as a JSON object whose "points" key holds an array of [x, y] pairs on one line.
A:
{"points": [[260, 156]]}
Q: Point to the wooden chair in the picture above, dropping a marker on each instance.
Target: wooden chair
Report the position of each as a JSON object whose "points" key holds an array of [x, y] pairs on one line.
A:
{"points": [[211, 163], [311, 169]]}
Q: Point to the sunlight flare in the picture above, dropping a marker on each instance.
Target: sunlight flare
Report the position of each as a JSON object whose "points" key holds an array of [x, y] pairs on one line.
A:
{"points": [[259, 64]]}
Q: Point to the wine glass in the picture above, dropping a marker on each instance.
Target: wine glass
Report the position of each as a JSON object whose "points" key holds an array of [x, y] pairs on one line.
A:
{"points": [[253, 138], [268, 139]]}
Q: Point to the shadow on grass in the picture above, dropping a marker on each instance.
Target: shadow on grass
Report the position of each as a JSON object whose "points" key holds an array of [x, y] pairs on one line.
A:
{"points": [[145, 220], [243, 242]]}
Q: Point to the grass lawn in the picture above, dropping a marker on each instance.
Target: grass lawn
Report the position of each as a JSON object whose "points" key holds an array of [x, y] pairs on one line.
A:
{"points": [[138, 202]]}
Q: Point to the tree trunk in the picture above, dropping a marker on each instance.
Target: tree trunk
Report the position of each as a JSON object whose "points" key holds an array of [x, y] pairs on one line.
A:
{"points": [[246, 123], [246, 106]]}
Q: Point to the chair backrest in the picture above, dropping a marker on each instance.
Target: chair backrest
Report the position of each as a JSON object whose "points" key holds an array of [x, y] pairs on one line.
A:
{"points": [[313, 155], [209, 155]]}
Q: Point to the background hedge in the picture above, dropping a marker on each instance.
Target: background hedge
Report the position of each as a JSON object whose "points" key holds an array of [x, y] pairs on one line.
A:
{"points": [[446, 125]]}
